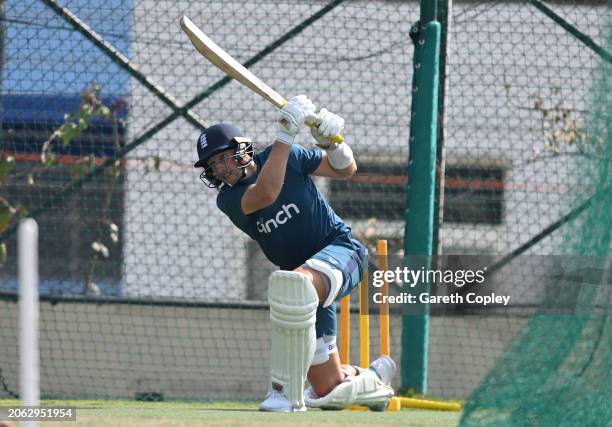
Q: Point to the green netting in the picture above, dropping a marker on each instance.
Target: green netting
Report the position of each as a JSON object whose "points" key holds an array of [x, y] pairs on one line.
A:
{"points": [[557, 370]]}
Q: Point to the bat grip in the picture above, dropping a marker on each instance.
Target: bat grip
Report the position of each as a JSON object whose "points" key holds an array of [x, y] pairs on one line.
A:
{"points": [[337, 139]]}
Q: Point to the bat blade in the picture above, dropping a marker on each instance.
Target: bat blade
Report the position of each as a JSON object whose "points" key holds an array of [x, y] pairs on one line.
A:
{"points": [[222, 60]]}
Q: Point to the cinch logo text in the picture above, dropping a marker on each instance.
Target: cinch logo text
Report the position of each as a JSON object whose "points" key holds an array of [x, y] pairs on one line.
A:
{"points": [[280, 218]]}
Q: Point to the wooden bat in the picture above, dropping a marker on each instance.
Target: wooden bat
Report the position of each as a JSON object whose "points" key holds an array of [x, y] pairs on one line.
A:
{"points": [[224, 61]]}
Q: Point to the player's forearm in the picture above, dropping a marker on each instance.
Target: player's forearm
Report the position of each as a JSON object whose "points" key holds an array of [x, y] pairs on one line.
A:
{"points": [[270, 181], [291, 118], [340, 161], [346, 172]]}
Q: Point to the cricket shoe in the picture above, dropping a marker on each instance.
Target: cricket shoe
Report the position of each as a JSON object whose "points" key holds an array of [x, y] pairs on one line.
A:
{"points": [[278, 402], [385, 368]]}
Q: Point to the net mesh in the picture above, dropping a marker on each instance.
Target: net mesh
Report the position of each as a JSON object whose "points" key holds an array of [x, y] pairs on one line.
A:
{"points": [[146, 286], [556, 370], [148, 290]]}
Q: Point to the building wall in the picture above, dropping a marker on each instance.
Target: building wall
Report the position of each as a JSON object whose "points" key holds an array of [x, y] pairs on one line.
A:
{"points": [[114, 350]]}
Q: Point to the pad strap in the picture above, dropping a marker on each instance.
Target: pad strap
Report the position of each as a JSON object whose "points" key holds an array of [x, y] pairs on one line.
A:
{"points": [[326, 345], [334, 277]]}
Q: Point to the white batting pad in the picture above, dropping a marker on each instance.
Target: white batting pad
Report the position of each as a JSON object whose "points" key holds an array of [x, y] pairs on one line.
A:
{"points": [[293, 306], [364, 389]]}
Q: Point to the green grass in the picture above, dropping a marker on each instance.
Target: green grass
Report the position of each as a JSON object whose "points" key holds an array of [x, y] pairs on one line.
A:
{"points": [[195, 414]]}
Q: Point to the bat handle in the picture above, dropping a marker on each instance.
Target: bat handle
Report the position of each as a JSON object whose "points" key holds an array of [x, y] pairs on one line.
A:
{"points": [[337, 139]]}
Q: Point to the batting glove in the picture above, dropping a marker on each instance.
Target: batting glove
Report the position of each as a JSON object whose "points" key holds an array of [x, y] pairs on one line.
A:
{"points": [[292, 117], [327, 126]]}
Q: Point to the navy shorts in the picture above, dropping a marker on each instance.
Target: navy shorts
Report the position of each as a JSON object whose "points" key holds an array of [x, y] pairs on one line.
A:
{"points": [[349, 256]]}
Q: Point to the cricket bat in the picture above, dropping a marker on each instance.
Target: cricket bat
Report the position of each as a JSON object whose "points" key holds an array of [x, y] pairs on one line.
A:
{"points": [[226, 63]]}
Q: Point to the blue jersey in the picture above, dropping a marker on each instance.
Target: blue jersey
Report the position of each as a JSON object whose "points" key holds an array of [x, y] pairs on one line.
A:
{"points": [[299, 223]]}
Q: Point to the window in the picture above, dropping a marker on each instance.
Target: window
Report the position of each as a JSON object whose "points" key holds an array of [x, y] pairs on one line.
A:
{"points": [[472, 194], [376, 191]]}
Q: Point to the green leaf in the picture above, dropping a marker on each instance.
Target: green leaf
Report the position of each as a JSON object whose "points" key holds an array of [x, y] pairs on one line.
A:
{"points": [[7, 165], [77, 170], [81, 126], [7, 213], [3, 253], [84, 166], [86, 111], [21, 210], [105, 111], [50, 159], [66, 135]]}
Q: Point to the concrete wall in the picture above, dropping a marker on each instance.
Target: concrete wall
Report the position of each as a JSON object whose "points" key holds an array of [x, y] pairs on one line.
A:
{"points": [[115, 351]]}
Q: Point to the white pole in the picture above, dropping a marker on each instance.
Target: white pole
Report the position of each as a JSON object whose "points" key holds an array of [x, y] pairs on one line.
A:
{"points": [[28, 310]]}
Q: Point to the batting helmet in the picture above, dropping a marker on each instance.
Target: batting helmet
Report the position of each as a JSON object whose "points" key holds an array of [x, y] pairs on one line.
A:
{"points": [[217, 138]]}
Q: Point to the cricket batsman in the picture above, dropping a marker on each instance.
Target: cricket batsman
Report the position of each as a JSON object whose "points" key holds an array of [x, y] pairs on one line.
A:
{"points": [[272, 198]]}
